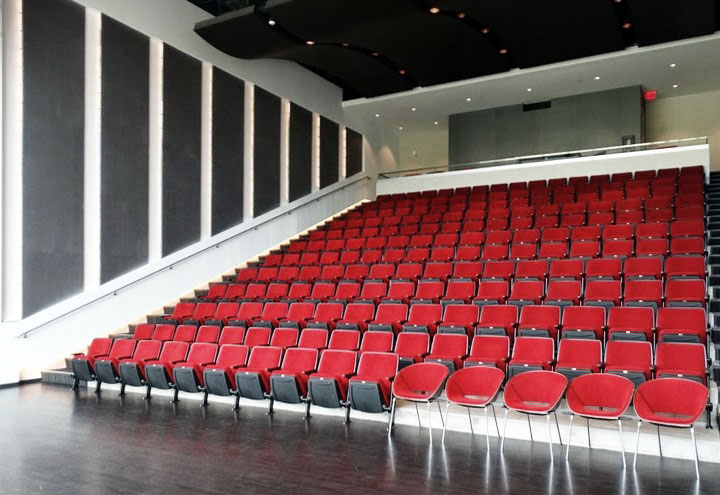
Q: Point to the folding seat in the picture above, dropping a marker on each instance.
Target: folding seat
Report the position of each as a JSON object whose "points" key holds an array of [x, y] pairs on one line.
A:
{"points": [[584, 249], [589, 194], [297, 246], [621, 177], [643, 268], [645, 175], [473, 226], [370, 256], [408, 271], [458, 292], [498, 214], [564, 293], [131, 370], [449, 350], [682, 325], [659, 202], [275, 291], [556, 234], [429, 228], [438, 254], [553, 250], [690, 212], [390, 255], [411, 347], [694, 246], [419, 240], [285, 337], [372, 292], [590, 233], [158, 373], [574, 208], [389, 318], [689, 195], [603, 269], [531, 354], [498, 237], [603, 293], [545, 222], [643, 293], [321, 291], [566, 270], [681, 360], [234, 292], [612, 194], [431, 218], [501, 270], [687, 228], [232, 335], [531, 270], [105, 368], [346, 292], [468, 253], [165, 332], [350, 224], [255, 292], [622, 248], [348, 340], [349, 257], [450, 227], [491, 292], [630, 204], [188, 374], [313, 247], [576, 220], [257, 336], [654, 230], [526, 292], [459, 318], [629, 217], [423, 318], [391, 230], [356, 316], [313, 338], [223, 312], [266, 274], [329, 257], [376, 342], [577, 357], [522, 251], [290, 259], [289, 384], [583, 322], [428, 291], [651, 247], [448, 240], [601, 218], [521, 222], [215, 292], [143, 331], [630, 323], [208, 333], [272, 260], [497, 320], [489, 350], [381, 271], [253, 381], [471, 238], [497, 224], [326, 315], [539, 321], [522, 212], [181, 312], [348, 233], [357, 243], [288, 273], [329, 385], [669, 173], [407, 229], [272, 312], [526, 236], [454, 216], [373, 222], [547, 211], [680, 267], [309, 273], [185, 333]]}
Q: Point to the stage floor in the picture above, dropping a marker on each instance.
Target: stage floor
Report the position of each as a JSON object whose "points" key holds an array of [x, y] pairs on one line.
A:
{"points": [[55, 441]]}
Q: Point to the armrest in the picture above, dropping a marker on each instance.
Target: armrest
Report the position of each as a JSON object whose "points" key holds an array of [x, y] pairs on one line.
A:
{"points": [[239, 366], [307, 372], [147, 360], [207, 364], [177, 361], [124, 357]]}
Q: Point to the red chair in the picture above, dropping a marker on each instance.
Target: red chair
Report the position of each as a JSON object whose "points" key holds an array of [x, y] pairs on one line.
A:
{"points": [[475, 387], [421, 382], [599, 396], [535, 393], [673, 402]]}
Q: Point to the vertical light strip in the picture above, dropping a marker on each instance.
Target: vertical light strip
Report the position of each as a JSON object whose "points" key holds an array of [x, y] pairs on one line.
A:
{"points": [[206, 152], [284, 152], [342, 158], [248, 149], [156, 153], [92, 172], [315, 184], [12, 181]]}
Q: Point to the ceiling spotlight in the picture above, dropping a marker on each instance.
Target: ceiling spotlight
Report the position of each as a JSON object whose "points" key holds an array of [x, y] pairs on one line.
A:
{"points": [[468, 99], [413, 109], [461, 15], [309, 42], [400, 128], [436, 122], [503, 51], [673, 65], [597, 78], [272, 22], [618, 1], [626, 25], [675, 85], [529, 90], [434, 10], [346, 45], [377, 115], [484, 30], [402, 72], [375, 54]]}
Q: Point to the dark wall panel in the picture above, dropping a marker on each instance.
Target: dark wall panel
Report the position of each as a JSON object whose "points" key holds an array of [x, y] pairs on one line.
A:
{"points": [[354, 153], [266, 156], [300, 173], [125, 102], [227, 146], [329, 152], [53, 120], [182, 83]]}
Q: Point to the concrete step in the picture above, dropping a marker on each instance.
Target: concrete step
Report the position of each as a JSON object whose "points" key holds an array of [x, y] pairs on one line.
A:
{"points": [[58, 377]]}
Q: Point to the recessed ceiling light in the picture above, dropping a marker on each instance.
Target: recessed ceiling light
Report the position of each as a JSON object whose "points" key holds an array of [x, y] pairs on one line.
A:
{"points": [[503, 51], [375, 54], [618, 1], [413, 109], [468, 99], [272, 22], [309, 42], [461, 15], [675, 85], [377, 115], [673, 65], [597, 78], [346, 45], [529, 90], [626, 25], [484, 30], [436, 122], [400, 128], [402, 72], [434, 10]]}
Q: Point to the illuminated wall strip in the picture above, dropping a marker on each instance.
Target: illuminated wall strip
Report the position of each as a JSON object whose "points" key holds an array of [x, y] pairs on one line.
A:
{"points": [[342, 158], [156, 152], [206, 152], [92, 167], [12, 38], [249, 146], [315, 184], [284, 152]]}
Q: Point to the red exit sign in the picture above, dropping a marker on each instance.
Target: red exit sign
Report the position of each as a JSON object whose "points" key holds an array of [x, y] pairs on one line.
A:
{"points": [[650, 94]]}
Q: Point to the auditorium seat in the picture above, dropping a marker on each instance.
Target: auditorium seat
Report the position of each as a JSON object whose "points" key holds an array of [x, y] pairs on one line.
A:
{"points": [[578, 357], [389, 317], [497, 320], [604, 293], [143, 331], [132, 370], [208, 334], [253, 381], [348, 340], [247, 313], [329, 385], [489, 350], [685, 293], [643, 269], [680, 267], [449, 350], [185, 333], [644, 293], [374, 341], [423, 318], [603, 269], [531, 353], [633, 360], [298, 314], [356, 317], [257, 336], [491, 292], [539, 321], [106, 367], [682, 325], [223, 312], [180, 312], [289, 384], [370, 389], [583, 322], [411, 347], [326, 315], [630, 323], [284, 337], [232, 335], [158, 372], [188, 374], [459, 318], [681, 360], [564, 293]]}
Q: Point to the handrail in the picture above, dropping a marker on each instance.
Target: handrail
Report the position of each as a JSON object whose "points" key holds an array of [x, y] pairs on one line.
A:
{"points": [[542, 157], [214, 245]]}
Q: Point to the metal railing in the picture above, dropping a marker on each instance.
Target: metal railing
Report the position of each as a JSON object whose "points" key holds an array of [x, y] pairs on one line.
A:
{"points": [[609, 150]]}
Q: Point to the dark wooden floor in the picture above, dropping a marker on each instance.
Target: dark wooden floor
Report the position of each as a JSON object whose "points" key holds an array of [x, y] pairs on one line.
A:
{"points": [[53, 441]]}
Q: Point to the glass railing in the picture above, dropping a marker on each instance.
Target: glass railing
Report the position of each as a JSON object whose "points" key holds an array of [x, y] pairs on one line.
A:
{"points": [[563, 155]]}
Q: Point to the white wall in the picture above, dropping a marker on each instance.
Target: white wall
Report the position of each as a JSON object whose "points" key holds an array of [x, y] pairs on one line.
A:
{"points": [[686, 116], [606, 164]]}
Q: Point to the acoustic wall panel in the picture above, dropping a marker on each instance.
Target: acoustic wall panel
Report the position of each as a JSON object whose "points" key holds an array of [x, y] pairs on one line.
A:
{"points": [[329, 152], [227, 150], [53, 156], [300, 152], [354, 153], [266, 153], [182, 86], [124, 149]]}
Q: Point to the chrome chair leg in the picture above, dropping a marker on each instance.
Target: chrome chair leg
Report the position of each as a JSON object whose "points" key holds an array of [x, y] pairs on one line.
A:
{"points": [[567, 452], [622, 444]]}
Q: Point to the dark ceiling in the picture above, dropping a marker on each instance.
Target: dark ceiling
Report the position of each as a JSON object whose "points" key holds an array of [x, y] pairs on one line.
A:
{"points": [[376, 47]]}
